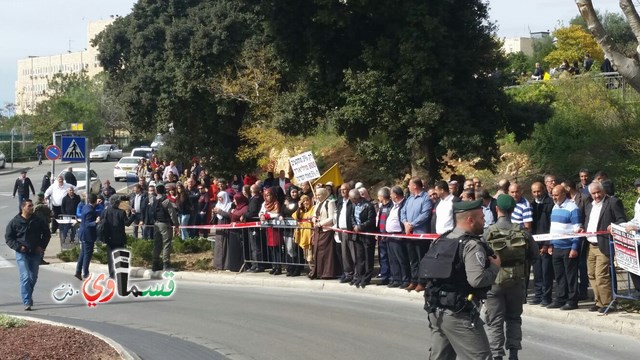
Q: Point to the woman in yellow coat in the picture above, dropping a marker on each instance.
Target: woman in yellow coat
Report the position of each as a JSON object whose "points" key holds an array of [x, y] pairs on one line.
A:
{"points": [[302, 235]]}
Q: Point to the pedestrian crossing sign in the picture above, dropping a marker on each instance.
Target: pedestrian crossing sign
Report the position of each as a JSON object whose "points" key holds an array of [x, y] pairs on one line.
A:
{"points": [[74, 149]]}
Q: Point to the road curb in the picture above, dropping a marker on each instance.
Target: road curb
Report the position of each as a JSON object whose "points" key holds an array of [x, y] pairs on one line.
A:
{"points": [[14, 171], [618, 323], [125, 353]]}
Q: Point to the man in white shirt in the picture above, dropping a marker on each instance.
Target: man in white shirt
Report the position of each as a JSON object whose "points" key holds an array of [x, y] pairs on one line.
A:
{"points": [[170, 169], [283, 181], [634, 225], [444, 210], [54, 194]]}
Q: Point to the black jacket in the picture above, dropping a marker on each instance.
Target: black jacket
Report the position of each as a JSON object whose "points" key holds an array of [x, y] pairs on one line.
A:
{"points": [[22, 188], [611, 212], [69, 178], [255, 203], [339, 205], [367, 217], [116, 219], [46, 182], [541, 215], [70, 205], [30, 233]]}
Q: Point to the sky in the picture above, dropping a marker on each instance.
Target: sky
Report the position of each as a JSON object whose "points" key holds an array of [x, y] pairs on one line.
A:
{"points": [[50, 27]]}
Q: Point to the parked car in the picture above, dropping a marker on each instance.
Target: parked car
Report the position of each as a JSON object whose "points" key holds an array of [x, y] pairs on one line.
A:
{"points": [[125, 166], [145, 152], [158, 141], [106, 152], [3, 160], [81, 175]]}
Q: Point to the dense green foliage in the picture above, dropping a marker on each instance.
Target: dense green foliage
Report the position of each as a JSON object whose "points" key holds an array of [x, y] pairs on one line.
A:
{"points": [[407, 83]]}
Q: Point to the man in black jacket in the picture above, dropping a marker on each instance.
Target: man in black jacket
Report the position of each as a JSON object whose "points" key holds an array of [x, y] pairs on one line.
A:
{"points": [[363, 217], [29, 236], [114, 236], [256, 238], [46, 181], [598, 216], [344, 221], [22, 186], [541, 206]]}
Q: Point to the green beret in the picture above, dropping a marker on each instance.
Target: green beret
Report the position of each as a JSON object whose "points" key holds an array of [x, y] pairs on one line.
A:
{"points": [[462, 206], [506, 203], [41, 193]]}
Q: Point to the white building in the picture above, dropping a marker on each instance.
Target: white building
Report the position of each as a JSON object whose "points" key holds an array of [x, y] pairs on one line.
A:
{"points": [[514, 45], [34, 72]]}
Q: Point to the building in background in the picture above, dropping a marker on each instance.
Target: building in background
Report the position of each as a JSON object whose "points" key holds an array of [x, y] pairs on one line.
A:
{"points": [[514, 45], [34, 72]]}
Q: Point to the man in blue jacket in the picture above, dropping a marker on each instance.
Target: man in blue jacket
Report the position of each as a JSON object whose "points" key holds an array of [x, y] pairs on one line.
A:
{"points": [[29, 236], [88, 236], [416, 217]]}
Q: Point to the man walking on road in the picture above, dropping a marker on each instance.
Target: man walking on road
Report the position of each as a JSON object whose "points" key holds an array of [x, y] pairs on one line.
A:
{"points": [[22, 186], [29, 236]]}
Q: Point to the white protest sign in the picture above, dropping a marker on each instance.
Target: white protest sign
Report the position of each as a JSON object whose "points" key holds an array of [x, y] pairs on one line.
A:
{"points": [[626, 249], [304, 167]]}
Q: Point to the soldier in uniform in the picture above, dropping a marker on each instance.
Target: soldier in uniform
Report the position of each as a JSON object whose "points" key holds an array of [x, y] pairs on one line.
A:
{"points": [[504, 300], [164, 228], [459, 269]]}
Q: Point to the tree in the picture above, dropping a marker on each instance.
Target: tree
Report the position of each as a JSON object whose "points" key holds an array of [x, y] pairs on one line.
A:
{"points": [[571, 45], [627, 66], [617, 27], [167, 62], [541, 48]]}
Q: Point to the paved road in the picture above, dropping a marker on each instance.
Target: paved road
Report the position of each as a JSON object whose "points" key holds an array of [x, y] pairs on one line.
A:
{"points": [[206, 321]]}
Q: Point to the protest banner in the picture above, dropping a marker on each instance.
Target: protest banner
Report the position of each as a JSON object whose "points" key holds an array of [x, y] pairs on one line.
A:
{"points": [[626, 249], [304, 167]]}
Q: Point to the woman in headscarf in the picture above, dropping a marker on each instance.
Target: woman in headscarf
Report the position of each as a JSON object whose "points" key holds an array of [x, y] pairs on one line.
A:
{"points": [[302, 236], [271, 210], [293, 251], [235, 255], [324, 252], [222, 212]]}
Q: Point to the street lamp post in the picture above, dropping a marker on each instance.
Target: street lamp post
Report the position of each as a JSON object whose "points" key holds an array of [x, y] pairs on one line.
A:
{"points": [[13, 132]]}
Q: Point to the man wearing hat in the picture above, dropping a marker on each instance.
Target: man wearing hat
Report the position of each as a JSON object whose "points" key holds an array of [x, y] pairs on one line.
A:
{"points": [[459, 269], [507, 294]]}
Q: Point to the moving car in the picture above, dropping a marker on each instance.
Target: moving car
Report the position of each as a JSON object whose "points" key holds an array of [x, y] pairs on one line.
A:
{"points": [[3, 160], [126, 165], [81, 175], [145, 152], [106, 152]]}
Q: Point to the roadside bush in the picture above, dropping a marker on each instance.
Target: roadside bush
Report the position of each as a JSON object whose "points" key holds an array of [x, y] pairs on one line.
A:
{"points": [[8, 322], [141, 251], [70, 255], [191, 246]]}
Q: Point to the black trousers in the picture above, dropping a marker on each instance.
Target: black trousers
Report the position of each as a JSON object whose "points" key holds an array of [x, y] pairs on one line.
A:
{"points": [[56, 210], [566, 271], [415, 250], [347, 254], [399, 261], [365, 247], [543, 278]]}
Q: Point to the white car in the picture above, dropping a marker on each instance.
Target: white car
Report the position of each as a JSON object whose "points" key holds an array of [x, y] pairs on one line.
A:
{"points": [[106, 152], [81, 177], [126, 165], [145, 152], [3, 160]]}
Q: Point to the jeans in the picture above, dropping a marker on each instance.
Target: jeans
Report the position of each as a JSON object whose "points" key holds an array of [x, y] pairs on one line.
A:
{"points": [[383, 258], [28, 266], [21, 198], [64, 229], [86, 253], [184, 221]]}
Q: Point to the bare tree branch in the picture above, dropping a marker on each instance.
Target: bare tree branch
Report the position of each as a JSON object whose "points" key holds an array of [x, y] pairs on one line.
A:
{"points": [[629, 68], [629, 10]]}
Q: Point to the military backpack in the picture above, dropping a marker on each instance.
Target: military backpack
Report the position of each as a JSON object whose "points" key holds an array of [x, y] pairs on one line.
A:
{"points": [[511, 245]]}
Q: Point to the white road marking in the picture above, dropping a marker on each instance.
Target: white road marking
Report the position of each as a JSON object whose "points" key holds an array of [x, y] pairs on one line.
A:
{"points": [[4, 263]]}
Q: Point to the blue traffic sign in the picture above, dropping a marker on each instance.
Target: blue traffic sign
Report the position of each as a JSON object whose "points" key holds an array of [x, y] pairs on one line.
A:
{"points": [[52, 152], [74, 149]]}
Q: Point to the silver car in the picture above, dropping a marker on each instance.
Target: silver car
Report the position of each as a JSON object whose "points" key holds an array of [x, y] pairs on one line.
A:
{"points": [[3, 160], [106, 152]]}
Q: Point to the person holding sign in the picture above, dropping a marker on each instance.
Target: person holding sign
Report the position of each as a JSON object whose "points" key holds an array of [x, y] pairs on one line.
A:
{"points": [[634, 225]]}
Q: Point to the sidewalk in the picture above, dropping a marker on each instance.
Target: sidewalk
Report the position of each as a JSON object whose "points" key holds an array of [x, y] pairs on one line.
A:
{"points": [[618, 322]]}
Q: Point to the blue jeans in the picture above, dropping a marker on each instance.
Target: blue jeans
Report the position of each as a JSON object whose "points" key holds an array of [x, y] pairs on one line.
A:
{"points": [[28, 266], [383, 257], [20, 199], [65, 228], [184, 221], [86, 253]]}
